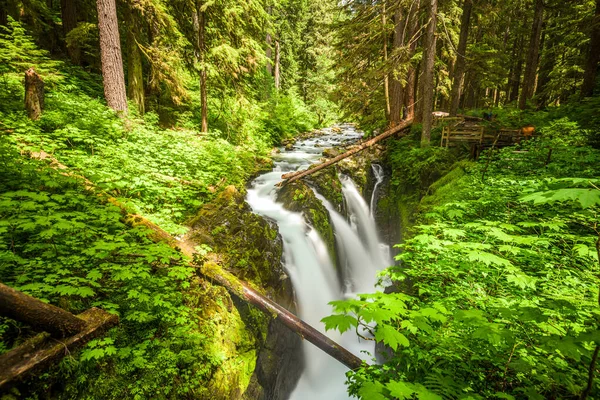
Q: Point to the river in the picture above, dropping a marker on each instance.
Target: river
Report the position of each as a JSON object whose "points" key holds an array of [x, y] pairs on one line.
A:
{"points": [[309, 265]]}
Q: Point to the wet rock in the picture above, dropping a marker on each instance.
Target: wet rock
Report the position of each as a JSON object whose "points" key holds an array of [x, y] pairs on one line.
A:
{"points": [[331, 152], [249, 246], [289, 147], [298, 197]]}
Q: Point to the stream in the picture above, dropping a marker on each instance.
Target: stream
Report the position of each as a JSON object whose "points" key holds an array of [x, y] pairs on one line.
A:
{"points": [[309, 265]]}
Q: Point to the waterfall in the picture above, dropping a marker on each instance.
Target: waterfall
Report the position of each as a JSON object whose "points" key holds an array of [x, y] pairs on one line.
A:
{"points": [[309, 265], [379, 175], [359, 213]]}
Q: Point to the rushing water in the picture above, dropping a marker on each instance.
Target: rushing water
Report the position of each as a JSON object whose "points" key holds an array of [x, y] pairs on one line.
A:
{"points": [[309, 265], [379, 176]]}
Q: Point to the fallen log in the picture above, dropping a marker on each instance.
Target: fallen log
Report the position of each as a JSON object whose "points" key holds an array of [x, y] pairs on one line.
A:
{"points": [[39, 352], [230, 282], [304, 330], [41, 316], [294, 176]]}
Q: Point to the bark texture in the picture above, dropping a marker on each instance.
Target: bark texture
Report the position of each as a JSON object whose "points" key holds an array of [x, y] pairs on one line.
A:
{"points": [[200, 27], [386, 76], [428, 72], [269, 54], [593, 57], [533, 53], [3, 13], [34, 94], [41, 316], [411, 79], [459, 67], [277, 65], [396, 99], [68, 12], [135, 71], [294, 323], [113, 76], [41, 351]]}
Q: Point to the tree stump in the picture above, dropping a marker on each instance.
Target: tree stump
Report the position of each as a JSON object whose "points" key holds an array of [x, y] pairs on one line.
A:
{"points": [[34, 94]]}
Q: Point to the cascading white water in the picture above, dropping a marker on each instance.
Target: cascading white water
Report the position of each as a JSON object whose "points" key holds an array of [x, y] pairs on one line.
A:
{"points": [[309, 264], [379, 175], [362, 219]]}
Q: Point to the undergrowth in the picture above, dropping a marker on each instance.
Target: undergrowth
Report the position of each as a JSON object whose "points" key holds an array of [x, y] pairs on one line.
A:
{"points": [[497, 282]]}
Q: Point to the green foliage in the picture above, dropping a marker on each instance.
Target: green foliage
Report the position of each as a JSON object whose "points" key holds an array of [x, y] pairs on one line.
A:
{"points": [[62, 245], [497, 286], [289, 116]]}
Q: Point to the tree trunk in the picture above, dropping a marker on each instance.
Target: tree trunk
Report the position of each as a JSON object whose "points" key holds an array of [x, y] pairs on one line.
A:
{"points": [[277, 65], [459, 66], [515, 81], [288, 319], [418, 109], [113, 76], [428, 72], [294, 176], [41, 316], [386, 76], [410, 88], [593, 57], [269, 54], [34, 94], [40, 352], [200, 28], [135, 72], [548, 60], [3, 13], [68, 11], [396, 101], [532, 55]]}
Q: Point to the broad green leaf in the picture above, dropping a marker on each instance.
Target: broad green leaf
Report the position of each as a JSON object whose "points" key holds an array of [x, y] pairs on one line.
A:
{"points": [[391, 337], [340, 322], [400, 390], [372, 391]]}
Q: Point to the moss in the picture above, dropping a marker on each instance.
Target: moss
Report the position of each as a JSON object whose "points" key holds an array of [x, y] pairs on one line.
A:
{"points": [[299, 197], [248, 245], [327, 184], [229, 342]]}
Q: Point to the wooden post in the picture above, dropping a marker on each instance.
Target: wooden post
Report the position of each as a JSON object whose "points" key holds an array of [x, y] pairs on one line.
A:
{"points": [[34, 94], [41, 316], [294, 176]]}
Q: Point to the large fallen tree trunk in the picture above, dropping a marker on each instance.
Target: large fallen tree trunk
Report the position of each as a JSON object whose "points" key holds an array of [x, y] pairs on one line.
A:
{"points": [[39, 352], [244, 292], [41, 316], [294, 176]]}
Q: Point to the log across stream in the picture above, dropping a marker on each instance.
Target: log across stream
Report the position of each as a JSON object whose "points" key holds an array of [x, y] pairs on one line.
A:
{"points": [[309, 265]]}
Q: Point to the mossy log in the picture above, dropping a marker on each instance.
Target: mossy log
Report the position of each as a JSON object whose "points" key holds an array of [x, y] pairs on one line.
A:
{"points": [[304, 330], [41, 316], [234, 285], [39, 352], [294, 176]]}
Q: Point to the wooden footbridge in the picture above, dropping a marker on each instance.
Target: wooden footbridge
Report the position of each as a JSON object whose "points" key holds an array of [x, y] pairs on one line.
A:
{"points": [[465, 130]]}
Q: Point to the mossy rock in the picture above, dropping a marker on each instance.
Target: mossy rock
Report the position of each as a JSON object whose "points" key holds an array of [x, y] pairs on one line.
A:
{"points": [[248, 245], [327, 183], [230, 340], [299, 197]]}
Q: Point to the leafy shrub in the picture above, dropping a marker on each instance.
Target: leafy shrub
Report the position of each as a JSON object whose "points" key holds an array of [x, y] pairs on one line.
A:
{"points": [[497, 288]]}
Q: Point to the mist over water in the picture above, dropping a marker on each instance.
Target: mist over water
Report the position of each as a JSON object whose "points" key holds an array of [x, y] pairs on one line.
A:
{"points": [[309, 265]]}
